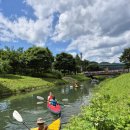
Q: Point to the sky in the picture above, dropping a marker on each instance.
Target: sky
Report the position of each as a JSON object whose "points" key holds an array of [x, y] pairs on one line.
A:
{"points": [[99, 29]]}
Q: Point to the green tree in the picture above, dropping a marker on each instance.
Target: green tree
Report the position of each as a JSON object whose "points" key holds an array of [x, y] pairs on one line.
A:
{"points": [[50, 55], [78, 63], [125, 57], [38, 60], [65, 63], [93, 66], [13, 57], [4, 66], [85, 64]]}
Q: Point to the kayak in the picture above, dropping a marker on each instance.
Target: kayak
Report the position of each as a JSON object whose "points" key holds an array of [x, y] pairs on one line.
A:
{"points": [[55, 125], [54, 109]]}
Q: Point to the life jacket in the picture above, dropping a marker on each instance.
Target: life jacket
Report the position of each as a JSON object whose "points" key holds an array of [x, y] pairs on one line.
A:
{"points": [[53, 102], [49, 98]]}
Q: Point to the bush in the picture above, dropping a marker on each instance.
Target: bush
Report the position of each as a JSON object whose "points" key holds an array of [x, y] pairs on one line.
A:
{"points": [[109, 109], [52, 74], [57, 73]]}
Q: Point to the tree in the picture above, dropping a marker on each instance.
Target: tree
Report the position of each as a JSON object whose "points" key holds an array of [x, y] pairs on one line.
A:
{"points": [[78, 63], [38, 60], [125, 57], [93, 67], [50, 55], [4, 66], [65, 63], [85, 64], [13, 57]]}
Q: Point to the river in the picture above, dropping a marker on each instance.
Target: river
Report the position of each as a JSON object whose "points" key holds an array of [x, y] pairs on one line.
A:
{"points": [[26, 105]]}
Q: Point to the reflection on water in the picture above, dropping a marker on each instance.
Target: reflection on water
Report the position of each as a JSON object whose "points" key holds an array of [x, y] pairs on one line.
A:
{"points": [[4, 105], [27, 106]]}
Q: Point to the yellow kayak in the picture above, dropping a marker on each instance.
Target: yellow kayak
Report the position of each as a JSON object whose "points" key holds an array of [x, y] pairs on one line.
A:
{"points": [[55, 125]]}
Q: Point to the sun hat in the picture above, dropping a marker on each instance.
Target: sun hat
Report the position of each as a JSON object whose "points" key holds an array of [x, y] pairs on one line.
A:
{"points": [[40, 120]]}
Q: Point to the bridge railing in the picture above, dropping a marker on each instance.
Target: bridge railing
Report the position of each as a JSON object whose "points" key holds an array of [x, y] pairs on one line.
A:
{"points": [[106, 72]]}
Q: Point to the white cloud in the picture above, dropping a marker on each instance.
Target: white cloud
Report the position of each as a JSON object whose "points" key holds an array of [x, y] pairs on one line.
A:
{"points": [[103, 48], [99, 29], [34, 32], [73, 54]]}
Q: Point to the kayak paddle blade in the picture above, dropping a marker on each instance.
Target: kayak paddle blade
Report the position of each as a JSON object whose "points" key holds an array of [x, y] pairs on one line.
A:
{"points": [[65, 100], [17, 116], [40, 98], [40, 102]]}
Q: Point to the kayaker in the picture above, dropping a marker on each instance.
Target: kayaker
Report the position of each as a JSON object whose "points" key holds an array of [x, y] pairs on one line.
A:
{"points": [[53, 101], [41, 125], [50, 96], [76, 84]]}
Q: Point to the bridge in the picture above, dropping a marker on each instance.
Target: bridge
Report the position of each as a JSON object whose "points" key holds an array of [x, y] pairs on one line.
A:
{"points": [[108, 72]]}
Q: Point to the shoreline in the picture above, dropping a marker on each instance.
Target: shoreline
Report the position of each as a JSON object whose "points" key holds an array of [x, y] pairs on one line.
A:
{"points": [[11, 85]]}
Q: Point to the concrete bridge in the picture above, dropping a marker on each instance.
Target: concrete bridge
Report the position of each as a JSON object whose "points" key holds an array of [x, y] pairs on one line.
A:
{"points": [[108, 72]]}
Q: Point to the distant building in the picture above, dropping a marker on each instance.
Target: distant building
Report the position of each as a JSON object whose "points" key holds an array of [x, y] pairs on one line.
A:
{"points": [[111, 66]]}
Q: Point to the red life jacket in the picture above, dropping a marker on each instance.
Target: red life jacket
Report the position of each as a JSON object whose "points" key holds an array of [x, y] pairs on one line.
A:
{"points": [[50, 97]]}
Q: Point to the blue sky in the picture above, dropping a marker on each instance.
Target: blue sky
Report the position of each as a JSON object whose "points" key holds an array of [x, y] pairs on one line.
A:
{"points": [[13, 9], [99, 29], [10, 8]]}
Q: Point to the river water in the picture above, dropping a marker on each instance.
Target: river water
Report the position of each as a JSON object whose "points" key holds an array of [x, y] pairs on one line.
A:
{"points": [[26, 105]]}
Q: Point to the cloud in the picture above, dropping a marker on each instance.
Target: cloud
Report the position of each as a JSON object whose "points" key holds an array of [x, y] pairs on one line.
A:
{"points": [[24, 11], [73, 54], [99, 29], [35, 32], [101, 48], [5, 34]]}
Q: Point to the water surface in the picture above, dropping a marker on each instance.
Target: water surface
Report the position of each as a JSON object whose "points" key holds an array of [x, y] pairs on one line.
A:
{"points": [[27, 106]]}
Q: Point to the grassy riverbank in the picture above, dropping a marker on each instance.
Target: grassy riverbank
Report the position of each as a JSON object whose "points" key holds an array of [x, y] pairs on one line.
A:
{"points": [[14, 84], [75, 78], [109, 109]]}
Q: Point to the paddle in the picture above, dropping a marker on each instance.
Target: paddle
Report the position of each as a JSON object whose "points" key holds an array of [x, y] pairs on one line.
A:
{"points": [[40, 102], [65, 100], [19, 118], [41, 98], [50, 101]]}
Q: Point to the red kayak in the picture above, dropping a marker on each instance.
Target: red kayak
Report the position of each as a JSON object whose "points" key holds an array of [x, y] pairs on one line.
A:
{"points": [[54, 109]]}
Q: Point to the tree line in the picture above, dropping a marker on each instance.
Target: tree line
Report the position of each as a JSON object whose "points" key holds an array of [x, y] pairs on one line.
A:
{"points": [[36, 61]]}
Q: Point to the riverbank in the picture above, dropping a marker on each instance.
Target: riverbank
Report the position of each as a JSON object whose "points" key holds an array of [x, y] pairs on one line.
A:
{"points": [[15, 84], [109, 109]]}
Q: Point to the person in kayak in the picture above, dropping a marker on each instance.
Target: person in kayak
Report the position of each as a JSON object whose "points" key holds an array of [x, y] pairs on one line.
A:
{"points": [[50, 96], [75, 84], [53, 101], [41, 125]]}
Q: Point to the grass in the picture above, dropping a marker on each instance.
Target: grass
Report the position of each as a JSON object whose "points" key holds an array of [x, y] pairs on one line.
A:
{"points": [[75, 78], [109, 109], [80, 77], [13, 84]]}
